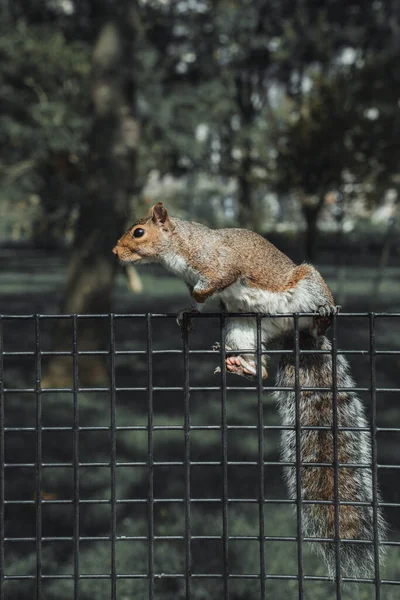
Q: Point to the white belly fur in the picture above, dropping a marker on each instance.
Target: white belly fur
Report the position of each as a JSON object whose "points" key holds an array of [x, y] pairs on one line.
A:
{"points": [[178, 265], [241, 298]]}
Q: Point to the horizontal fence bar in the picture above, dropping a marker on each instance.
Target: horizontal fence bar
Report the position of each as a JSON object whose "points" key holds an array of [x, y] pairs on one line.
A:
{"points": [[49, 353], [198, 463], [178, 538], [67, 577], [193, 389], [202, 428], [205, 501], [209, 315]]}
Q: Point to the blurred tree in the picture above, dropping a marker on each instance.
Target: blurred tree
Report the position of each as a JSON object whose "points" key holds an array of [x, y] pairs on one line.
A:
{"points": [[227, 50], [311, 154], [109, 184], [285, 88], [342, 84], [43, 125], [243, 58]]}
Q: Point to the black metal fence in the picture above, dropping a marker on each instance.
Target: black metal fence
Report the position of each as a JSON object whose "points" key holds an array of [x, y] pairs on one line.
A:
{"points": [[44, 515]]}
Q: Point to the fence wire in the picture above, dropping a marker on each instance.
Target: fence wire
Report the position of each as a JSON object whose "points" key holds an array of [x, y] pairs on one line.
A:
{"points": [[13, 469]]}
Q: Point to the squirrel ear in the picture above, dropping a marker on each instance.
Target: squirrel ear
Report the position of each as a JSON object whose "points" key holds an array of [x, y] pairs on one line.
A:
{"points": [[159, 213]]}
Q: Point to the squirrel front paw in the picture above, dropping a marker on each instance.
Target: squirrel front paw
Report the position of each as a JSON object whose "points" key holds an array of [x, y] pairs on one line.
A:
{"points": [[324, 321], [181, 321], [327, 310]]}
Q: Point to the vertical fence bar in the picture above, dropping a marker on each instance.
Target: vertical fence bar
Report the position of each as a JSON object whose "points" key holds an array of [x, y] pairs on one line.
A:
{"points": [[75, 446], [188, 529], [150, 423], [374, 455], [2, 461], [261, 500], [335, 434], [224, 442], [113, 444], [38, 501], [297, 397]]}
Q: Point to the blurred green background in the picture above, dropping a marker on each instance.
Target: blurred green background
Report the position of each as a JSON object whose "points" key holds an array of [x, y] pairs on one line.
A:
{"points": [[280, 116]]}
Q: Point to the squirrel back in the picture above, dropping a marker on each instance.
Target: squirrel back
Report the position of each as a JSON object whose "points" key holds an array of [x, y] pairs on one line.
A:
{"points": [[248, 272], [354, 484], [188, 248]]}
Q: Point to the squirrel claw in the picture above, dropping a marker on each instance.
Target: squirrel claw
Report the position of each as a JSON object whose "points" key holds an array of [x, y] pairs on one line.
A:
{"points": [[328, 310], [324, 321], [217, 347], [180, 319]]}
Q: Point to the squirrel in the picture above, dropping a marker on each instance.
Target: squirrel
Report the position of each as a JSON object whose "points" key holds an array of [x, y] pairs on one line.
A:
{"points": [[250, 275], [247, 272]]}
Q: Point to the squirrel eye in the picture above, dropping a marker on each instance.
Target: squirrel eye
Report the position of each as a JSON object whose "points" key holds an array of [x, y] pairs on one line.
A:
{"points": [[138, 232]]}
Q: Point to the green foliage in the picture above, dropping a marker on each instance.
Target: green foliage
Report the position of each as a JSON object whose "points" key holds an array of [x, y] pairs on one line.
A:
{"points": [[294, 96], [338, 132], [44, 120], [334, 124], [41, 76]]}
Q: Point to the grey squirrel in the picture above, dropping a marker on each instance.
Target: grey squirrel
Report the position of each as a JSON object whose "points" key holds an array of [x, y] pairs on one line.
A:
{"points": [[251, 275]]}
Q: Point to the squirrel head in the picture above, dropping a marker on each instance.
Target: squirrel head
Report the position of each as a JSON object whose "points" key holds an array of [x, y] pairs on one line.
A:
{"points": [[147, 238]]}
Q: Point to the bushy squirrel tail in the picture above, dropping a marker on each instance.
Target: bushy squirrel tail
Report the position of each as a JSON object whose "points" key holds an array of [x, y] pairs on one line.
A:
{"points": [[354, 484]]}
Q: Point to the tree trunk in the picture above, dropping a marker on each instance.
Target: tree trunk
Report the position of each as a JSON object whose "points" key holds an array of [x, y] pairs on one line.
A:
{"points": [[105, 203], [311, 212], [245, 213], [244, 91], [311, 234], [383, 263]]}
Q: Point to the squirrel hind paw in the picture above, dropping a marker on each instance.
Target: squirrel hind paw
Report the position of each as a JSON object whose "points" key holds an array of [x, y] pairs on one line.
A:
{"points": [[241, 366]]}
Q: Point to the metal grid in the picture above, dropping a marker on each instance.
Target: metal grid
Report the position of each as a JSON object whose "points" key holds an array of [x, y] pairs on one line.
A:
{"points": [[183, 355]]}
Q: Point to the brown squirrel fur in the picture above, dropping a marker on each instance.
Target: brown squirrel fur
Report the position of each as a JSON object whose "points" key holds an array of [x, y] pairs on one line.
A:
{"points": [[250, 275]]}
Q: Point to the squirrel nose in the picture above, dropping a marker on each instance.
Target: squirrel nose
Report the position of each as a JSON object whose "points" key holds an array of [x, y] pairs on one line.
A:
{"points": [[115, 250]]}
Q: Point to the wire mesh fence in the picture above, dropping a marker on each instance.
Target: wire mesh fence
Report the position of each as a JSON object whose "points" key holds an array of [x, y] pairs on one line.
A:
{"points": [[166, 481]]}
